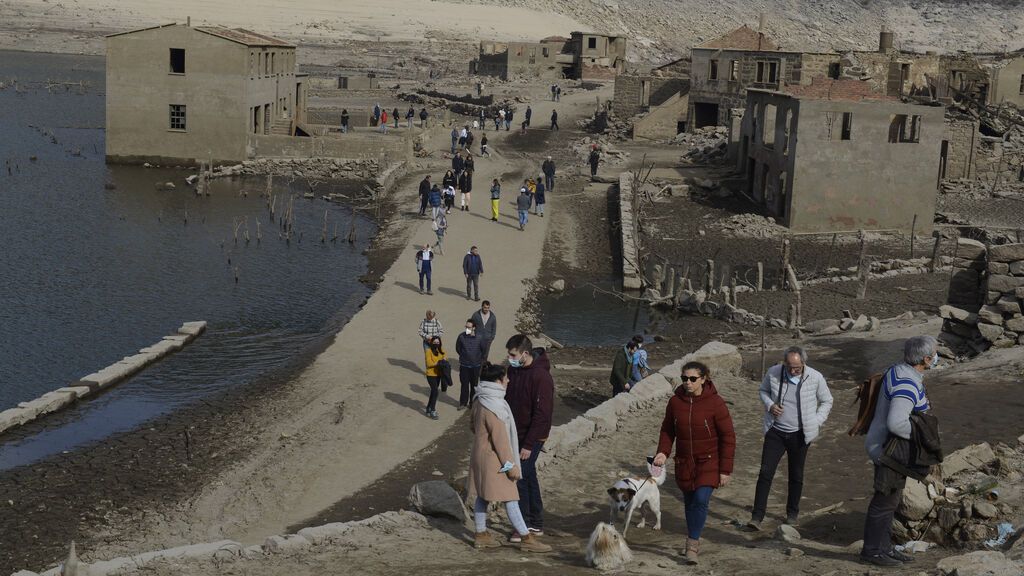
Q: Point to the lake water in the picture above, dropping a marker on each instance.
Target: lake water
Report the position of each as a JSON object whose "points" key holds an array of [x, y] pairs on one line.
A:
{"points": [[96, 263]]}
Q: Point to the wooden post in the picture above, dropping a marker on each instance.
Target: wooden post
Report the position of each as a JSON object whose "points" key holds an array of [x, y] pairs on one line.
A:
{"points": [[791, 321], [709, 277], [863, 248], [760, 276], [863, 271], [732, 290], [935, 252], [670, 283], [913, 232], [794, 284], [785, 259], [764, 331], [799, 310], [831, 249]]}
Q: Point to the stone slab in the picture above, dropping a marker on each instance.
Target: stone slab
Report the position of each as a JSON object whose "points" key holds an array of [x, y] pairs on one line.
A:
{"points": [[1006, 253], [77, 391], [326, 533], [287, 543], [1004, 284], [969, 248], [968, 457], [192, 328]]}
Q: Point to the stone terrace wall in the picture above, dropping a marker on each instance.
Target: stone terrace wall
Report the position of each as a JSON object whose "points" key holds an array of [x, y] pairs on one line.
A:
{"points": [[985, 293]]}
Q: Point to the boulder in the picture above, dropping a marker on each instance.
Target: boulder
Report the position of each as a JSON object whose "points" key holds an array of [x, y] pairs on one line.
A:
{"points": [[990, 332], [970, 249], [991, 315], [985, 510], [829, 331], [787, 533], [861, 324], [978, 265], [556, 286], [846, 324], [981, 563], [437, 498], [915, 503], [948, 518], [1015, 324], [1003, 283], [819, 325], [1016, 268], [953, 313], [1006, 253], [720, 358], [969, 457]]}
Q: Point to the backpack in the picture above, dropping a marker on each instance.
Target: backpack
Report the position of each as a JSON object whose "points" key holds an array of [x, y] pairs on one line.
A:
{"points": [[867, 395]]}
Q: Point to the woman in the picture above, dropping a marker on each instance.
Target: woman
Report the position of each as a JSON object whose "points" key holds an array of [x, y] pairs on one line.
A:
{"points": [[483, 147], [539, 197], [466, 187], [698, 422], [449, 199], [440, 226], [641, 368], [394, 116], [449, 180], [494, 461], [434, 355], [495, 200]]}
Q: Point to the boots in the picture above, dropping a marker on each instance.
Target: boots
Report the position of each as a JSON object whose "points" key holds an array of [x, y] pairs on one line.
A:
{"points": [[531, 544], [485, 540], [692, 550]]}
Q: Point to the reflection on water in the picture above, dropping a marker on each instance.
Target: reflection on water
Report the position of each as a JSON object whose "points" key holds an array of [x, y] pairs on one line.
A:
{"points": [[589, 316], [97, 263]]}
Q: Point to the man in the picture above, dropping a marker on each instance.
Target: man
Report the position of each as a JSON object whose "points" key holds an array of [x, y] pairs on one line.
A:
{"points": [[435, 200], [523, 206], [548, 168], [554, 119], [423, 117], [470, 348], [473, 268], [530, 395], [409, 117], [594, 160], [463, 134], [455, 138], [529, 113], [622, 365], [430, 328], [424, 194], [424, 265], [558, 93], [508, 119], [487, 325], [499, 119], [902, 394], [552, 92], [796, 402], [458, 165], [394, 117], [344, 121]]}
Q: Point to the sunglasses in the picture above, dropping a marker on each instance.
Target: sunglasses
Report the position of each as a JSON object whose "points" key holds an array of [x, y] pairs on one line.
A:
{"points": [[692, 378]]}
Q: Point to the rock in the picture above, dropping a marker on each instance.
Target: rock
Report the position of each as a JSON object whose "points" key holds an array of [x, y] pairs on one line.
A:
{"points": [[1003, 283], [787, 533], [794, 552], [1006, 253], [1016, 268], [819, 325], [985, 510], [846, 324], [437, 498], [975, 532], [969, 249], [991, 315], [981, 563], [998, 268], [968, 457], [874, 323], [1015, 324], [286, 543], [915, 503], [990, 332], [953, 313], [557, 286], [860, 324], [829, 331]]}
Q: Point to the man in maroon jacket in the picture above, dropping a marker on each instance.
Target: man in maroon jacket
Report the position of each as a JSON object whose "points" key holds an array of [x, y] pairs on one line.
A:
{"points": [[530, 394]]}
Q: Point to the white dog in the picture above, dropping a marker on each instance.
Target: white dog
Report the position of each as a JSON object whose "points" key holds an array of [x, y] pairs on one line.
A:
{"points": [[630, 494], [606, 549]]}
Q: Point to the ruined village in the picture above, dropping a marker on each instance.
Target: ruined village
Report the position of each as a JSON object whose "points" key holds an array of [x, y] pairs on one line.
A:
{"points": [[743, 192]]}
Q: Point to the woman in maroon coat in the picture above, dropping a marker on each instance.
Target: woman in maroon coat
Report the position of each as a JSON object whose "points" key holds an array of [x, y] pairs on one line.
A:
{"points": [[698, 422]]}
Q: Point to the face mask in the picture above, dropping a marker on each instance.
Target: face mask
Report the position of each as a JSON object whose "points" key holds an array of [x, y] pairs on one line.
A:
{"points": [[515, 362], [935, 360], [469, 332]]}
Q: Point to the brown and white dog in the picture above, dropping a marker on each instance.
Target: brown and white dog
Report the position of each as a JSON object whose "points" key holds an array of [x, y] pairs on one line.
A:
{"points": [[630, 494], [606, 549]]}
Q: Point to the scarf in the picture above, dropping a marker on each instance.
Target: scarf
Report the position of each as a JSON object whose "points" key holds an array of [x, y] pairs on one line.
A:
{"points": [[491, 396]]}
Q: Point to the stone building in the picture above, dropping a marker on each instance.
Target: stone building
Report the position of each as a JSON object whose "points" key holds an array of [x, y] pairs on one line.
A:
{"points": [[584, 56], [597, 56], [182, 93], [836, 155], [990, 79], [660, 94]]}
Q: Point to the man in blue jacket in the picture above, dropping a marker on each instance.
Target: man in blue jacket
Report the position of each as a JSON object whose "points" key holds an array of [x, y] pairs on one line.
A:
{"points": [[473, 268]]}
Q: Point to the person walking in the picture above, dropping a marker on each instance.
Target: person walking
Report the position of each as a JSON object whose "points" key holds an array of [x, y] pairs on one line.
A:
{"points": [[554, 119], [640, 366], [483, 146], [539, 197], [548, 168], [430, 328], [487, 325], [344, 121], [423, 117], [528, 114], [622, 364], [558, 93], [508, 118], [552, 92], [697, 421], [394, 117], [449, 179], [483, 120], [383, 124], [449, 199], [455, 138], [470, 348], [470, 138], [434, 355], [594, 159], [434, 199], [499, 118], [468, 164], [473, 268], [495, 200], [466, 188], [409, 117], [376, 113], [530, 394], [424, 266], [496, 447], [523, 206], [424, 194], [901, 399], [440, 226], [458, 165], [463, 134], [797, 402]]}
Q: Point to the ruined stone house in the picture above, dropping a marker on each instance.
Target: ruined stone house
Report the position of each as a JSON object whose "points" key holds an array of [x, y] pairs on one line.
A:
{"points": [[837, 155], [661, 94], [987, 79], [583, 56], [181, 93]]}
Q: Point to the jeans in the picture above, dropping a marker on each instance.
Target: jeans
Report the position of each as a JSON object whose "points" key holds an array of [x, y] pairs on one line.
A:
{"points": [[487, 348], [473, 286], [425, 272], [454, 142], [696, 504], [549, 183], [540, 208], [777, 443], [469, 377], [434, 382], [878, 521], [435, 211], [529, 490], [495, 207], [423, 205], [408, 122], [523, 218], [344, 129]]}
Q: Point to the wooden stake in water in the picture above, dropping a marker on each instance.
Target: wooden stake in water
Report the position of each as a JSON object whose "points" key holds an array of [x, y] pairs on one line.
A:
{"points": [[913, 234], [935, 253]]}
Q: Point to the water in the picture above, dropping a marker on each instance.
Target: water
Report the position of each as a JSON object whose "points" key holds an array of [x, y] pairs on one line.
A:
{"points": [[97, 263], [585, 316]]}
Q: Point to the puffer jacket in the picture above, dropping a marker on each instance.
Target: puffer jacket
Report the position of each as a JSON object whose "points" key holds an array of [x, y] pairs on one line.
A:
{"points": [[813, 398], [702, 430]]}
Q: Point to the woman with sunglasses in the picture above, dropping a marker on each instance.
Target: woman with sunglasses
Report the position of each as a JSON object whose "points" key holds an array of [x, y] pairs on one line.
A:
{"points": [[697, 421]]}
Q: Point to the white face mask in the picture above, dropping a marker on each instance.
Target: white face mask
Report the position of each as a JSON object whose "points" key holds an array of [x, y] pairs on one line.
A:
{"points": [[469, 331]]}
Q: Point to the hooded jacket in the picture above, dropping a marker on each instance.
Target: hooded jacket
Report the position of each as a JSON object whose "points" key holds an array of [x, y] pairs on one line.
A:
{"points": [[702, 431], [813, 399], [530, 394], [472, 264]]}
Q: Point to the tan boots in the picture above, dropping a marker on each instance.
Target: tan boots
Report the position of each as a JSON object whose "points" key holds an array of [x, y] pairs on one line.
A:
{"points": [[692, 551], [531, 544], [485, 540]]}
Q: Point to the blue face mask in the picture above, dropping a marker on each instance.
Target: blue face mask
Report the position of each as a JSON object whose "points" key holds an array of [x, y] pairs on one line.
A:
{"points": [[515, 362]]}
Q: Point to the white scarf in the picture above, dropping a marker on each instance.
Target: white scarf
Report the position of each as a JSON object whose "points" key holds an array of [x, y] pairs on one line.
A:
{"points": [[491, 396]]}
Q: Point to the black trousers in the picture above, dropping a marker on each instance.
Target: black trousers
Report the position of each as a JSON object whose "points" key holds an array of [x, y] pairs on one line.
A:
{"points": [[777, 443], [487, 348], [469, 377], [434, 382], [878, 520]]}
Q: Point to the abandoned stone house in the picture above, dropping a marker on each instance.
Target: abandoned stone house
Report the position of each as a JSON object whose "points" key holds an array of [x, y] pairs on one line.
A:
{"points": [[837, 155], [661, 94], [178, 92], [584, 56], [989, 79]]}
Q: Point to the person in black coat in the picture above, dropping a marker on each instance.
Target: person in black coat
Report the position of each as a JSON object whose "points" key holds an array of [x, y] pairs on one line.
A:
{"points": [[458, 165], [424, 194], [554, 119], [465, 187]]}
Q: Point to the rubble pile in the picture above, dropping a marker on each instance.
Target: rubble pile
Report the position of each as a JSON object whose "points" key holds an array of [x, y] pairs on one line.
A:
{"points": [[310, 168], [750, 226], [709, 144], [609, 154]]}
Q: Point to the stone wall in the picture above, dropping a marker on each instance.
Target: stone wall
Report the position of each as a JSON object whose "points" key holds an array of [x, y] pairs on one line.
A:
{"points": [[351, 145], [630, 252], [984, 302], [962, 146]]}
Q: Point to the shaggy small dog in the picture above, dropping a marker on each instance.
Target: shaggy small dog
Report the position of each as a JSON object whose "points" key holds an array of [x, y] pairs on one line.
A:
{"points": [[607, 550]]}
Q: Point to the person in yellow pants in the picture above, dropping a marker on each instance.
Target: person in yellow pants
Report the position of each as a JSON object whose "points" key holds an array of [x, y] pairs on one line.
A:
{"points": [[495, 200]]}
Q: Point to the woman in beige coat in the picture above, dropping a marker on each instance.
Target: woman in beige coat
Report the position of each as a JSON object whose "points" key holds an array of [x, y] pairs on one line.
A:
{"points": [[494, 462]]}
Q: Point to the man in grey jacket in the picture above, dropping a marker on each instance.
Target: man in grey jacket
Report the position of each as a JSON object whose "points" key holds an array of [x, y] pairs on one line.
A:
{"points": [[796, 402], [902, 393], [486, 325], [470, 348]]}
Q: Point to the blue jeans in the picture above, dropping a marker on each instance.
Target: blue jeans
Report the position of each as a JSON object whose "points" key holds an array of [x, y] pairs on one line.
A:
{"points": [[425, 272], [523, 217], [549, 183], [696, 504], [529, 490]]}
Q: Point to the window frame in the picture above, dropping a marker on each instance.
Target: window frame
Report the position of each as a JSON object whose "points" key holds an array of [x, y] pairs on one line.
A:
{"points": [[171, 70], [172, 116], [713, 69]]}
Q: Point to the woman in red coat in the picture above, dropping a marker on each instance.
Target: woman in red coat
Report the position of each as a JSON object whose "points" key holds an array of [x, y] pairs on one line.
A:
{"points": [[698, 422]]}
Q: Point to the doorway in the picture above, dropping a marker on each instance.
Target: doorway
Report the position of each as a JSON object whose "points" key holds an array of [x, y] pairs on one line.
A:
{"points": [[705, 114]]}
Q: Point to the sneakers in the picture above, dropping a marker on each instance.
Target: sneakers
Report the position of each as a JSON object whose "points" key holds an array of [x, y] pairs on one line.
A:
{"points": [[536, 531], [753, 525], [515, 538], [530, 543], [883, 560], [901, 556], [793, 520], [483, 540], [432, 414]]}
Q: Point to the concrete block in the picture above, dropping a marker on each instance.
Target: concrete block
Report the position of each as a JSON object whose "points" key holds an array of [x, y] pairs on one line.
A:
{"points": [[192, 328], [819, 325], [161, 348], [183, 338], [969, 457], [286, 543], [970, 249], [654, 387], [326, 533], [1003, 283], [565, 439], [78, 391], [1006, 253]]}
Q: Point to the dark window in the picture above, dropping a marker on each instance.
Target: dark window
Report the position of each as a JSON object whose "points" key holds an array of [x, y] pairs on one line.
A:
{"points": [[544, 52], [904, 128], [177, 117], [177, 60], [768, 72], [773, 72], [713, 70], [834, 70], [592, 43], [1022, 83], [847, 126]]}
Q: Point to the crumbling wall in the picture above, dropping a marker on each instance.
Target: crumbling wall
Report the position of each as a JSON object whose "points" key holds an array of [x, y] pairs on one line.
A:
{"points": [[1000, 159], [626, 100], [662, 122], [984, 302], [961, 148]]}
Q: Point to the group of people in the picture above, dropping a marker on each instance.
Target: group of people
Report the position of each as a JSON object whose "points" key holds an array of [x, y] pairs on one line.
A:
{"points": [[380, 117], [472, 348], [629, 366]]}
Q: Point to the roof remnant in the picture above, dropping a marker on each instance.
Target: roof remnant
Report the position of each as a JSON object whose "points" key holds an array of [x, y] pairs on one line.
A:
{"points": [[243, 36], [823, 88], [742, 38]]}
